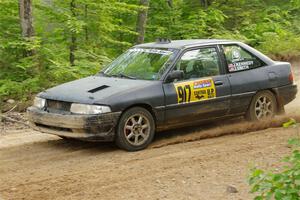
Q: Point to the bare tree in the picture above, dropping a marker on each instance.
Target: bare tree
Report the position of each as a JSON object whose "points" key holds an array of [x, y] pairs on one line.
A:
{"points": [[205, 3], [25, 15], [86, 26], [170, 3], [141, 21], [73, 45]]}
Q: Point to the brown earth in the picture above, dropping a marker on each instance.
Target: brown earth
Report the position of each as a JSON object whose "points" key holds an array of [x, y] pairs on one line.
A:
{"points": [[180, 164]]}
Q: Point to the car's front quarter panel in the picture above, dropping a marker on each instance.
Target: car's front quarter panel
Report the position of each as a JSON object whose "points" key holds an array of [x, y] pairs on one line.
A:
{"points": [[150, 95], [117, 93]]}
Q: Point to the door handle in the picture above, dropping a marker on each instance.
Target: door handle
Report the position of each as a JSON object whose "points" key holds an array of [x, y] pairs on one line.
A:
{"points": [[218, 83]]}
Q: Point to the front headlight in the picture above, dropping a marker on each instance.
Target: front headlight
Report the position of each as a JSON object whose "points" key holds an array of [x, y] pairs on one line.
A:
{"points": [[89, 109], [39, 102]]}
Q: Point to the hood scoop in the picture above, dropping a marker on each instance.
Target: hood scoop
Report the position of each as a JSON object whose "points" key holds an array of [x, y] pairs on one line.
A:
{"points": [[102, 87]]}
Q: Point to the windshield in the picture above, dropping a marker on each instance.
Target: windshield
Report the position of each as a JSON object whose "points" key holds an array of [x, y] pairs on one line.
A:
{"points": [[140, 63]]}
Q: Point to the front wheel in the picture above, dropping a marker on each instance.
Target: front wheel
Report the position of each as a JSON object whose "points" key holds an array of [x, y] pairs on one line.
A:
{"points": [[135, 130], [263, 106]]}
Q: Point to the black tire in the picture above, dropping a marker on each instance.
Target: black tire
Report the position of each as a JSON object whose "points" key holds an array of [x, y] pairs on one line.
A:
{"points": [[135, 130], [262, 107]]}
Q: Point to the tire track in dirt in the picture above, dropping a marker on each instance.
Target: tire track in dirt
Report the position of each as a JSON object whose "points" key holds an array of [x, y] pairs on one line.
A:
{"points": [[228, 129]]}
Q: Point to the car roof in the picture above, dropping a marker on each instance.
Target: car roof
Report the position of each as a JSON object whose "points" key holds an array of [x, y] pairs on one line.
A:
{"points": [[180, 44]]}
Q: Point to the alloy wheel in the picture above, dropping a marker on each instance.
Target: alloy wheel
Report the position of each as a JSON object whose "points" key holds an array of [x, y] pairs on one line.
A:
{"points": [[137, 129], [264, 108]]}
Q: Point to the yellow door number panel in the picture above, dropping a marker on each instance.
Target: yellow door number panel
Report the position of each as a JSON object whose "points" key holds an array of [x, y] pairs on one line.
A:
{"points": [[196, 90]]}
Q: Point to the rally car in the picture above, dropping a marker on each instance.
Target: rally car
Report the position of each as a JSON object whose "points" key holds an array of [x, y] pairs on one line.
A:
{"points": [[163, 85]]}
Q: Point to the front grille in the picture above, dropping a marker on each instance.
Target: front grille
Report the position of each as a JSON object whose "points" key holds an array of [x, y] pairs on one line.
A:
{"points": [[58, 105]]}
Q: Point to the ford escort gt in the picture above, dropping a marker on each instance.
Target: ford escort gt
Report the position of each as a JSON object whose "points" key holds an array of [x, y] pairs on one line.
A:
{"points": [[162, 85]]}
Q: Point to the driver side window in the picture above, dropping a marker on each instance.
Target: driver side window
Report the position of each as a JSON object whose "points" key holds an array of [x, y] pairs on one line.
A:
{"points": [[199, 63]]}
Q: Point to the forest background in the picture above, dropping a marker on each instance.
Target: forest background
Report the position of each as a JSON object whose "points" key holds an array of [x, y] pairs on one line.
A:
{"points": [[47, 42]]}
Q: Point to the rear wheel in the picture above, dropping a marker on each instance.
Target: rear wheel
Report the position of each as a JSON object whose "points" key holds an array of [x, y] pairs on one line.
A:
{"points": [[263, 106], [135, 130]]}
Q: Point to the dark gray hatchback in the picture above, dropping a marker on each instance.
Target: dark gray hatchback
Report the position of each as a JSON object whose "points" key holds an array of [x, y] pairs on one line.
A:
{"points": [[162, 85]]}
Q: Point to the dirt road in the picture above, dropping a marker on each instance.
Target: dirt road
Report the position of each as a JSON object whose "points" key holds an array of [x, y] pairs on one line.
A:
{"points": [[39, 166], [55, 169]]}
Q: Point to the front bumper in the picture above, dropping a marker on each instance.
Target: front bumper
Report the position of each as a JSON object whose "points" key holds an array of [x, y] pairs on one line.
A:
{"points": [[86, 127]]}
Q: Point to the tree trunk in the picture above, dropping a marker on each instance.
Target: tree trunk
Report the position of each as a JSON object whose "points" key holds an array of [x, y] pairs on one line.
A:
{"points": [[25, 15], [170, 3], [205, 3], [141, 22], [73, 45], [86, 19]]}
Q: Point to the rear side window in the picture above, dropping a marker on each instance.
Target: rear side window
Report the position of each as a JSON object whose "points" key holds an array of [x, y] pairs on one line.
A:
{"points": [[239, 59]]}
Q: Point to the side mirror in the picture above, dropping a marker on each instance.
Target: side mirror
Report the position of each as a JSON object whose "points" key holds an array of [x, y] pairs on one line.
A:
{"points": [[176, 74]]}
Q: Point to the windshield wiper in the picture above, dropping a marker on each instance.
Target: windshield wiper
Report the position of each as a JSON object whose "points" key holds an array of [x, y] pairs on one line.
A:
{"points": [[102, 73], [121, 75]]}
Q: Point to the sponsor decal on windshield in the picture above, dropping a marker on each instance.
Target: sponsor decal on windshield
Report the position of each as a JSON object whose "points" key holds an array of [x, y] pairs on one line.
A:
{"points": [[196, 90], [155, 51]]}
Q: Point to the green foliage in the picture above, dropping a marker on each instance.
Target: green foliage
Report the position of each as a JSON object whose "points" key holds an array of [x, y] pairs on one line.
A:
{"points": [[271, 26], [99, 30], [283, 185], [95, 24]]}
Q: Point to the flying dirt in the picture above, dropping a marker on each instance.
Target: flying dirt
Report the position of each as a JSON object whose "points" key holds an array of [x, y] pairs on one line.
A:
{"points": [[189, 163]]}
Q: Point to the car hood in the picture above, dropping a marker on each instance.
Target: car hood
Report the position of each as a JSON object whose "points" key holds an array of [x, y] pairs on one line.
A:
{"points": [[93, 89]]}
